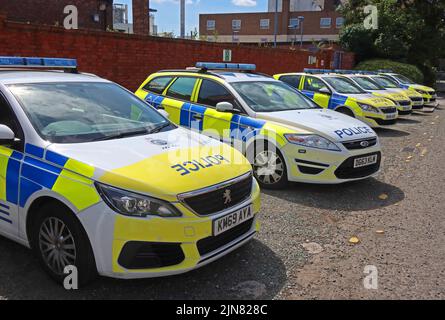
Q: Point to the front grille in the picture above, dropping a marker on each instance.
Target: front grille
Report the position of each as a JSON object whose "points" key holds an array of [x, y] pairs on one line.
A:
{"points": [[433, 100], [405, 103], [149, 255], [389, 110], [360, 144], [347, 171], [215, 201], [416, 99], [210, 244], [431, 93]]}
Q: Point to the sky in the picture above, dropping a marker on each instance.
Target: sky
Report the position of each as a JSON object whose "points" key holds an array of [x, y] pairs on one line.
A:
{"points": [[167, 17]]}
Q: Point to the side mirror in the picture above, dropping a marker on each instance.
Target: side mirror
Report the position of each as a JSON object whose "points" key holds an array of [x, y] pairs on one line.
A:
{"points": [[325, 90], [164, 113], [224, 107], [7, 137]]}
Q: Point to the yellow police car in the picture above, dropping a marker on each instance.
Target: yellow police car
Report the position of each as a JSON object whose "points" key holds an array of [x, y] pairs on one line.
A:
{"points": [[404, 104], [390, 85], [95, 178], [335, 92], [285, 135], [429, 94]]}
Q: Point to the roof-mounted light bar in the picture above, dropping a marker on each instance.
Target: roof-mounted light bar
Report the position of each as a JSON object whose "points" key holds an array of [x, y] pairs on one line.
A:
{"points": [[225, 66], [34, 62]]}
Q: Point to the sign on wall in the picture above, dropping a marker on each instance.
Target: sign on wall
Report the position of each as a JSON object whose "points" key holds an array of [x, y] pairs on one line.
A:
{"points": [[227, 55]]}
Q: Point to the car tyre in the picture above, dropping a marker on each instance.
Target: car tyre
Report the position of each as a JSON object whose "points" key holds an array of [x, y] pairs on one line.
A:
{"points": [[269, 166], [58, 240]]}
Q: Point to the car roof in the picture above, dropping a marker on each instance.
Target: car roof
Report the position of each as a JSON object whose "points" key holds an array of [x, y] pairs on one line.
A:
{"points": [[233, 76], [29, 76]]}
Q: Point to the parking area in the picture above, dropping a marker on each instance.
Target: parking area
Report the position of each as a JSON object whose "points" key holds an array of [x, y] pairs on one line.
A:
{"points": [[303, 250]]}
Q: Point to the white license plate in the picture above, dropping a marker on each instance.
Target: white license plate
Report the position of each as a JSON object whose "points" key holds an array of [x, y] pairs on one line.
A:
{"points": [[232, 220], [391, 116], [365, 161]]}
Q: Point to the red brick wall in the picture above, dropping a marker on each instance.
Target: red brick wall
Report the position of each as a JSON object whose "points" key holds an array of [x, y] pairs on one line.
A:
{"points": [[129, 59], [50, 12]]}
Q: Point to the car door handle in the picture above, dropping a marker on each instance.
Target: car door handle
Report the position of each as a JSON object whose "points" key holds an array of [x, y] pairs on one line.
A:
{"points": [[198, 116]]}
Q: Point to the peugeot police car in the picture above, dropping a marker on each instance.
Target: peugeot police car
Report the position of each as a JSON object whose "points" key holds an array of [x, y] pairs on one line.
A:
{"points": [[285, 135], [429, 94], [390, 85], [333, 91], [404, 104], [94, 177]]}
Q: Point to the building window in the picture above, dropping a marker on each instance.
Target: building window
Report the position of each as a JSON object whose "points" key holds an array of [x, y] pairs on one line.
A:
{"points": [[325, 22], [339, 22], [211, 24], [294, 23], [264, 23], [236, 24]]}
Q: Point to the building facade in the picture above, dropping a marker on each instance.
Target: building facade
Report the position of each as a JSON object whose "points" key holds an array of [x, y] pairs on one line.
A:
{"points": [[320, 22]]}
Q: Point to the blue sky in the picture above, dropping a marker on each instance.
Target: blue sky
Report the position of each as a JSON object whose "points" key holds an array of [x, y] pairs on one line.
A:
{"points": [[167, 17]]}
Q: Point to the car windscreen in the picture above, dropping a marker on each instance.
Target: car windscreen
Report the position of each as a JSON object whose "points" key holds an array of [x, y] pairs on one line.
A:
{"points": [[343, 85], [367, 83], [403, 79], [385, 82], [271, 96], [75, 112]]}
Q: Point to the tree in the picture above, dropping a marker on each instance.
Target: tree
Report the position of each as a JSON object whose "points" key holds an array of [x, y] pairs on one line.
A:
{"points": [[408, 30]]}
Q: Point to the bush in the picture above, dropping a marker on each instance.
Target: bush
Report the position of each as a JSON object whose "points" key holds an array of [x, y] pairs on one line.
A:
{"points": [[408, 70]]}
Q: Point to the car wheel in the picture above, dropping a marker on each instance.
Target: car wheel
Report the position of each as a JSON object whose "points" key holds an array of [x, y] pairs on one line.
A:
{"points": [[59, 240], [346, 111], [269, 166]]}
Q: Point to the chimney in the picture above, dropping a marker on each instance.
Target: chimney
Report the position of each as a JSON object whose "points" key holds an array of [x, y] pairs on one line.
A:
{"points": [[141, 23], [182, 19]]}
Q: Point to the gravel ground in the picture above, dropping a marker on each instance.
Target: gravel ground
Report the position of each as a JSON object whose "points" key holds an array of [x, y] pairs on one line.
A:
{"points": [[303, 249]]}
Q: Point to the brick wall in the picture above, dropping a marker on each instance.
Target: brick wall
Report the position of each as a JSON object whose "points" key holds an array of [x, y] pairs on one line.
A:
{"points": [[141, 24], [50, 12], [129, 59]]}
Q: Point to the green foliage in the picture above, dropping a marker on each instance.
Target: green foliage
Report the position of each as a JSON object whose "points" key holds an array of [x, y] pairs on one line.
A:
{"points": [[409, 31], [408, 70]]}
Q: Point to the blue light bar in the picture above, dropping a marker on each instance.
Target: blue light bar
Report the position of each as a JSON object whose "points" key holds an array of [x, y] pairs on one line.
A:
{"points": [[33, 62], [226, 66]]}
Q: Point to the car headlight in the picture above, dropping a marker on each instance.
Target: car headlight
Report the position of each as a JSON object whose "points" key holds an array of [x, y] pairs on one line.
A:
{"points": [[312, 141], [135, 205], [367, 107], [421, 91]]}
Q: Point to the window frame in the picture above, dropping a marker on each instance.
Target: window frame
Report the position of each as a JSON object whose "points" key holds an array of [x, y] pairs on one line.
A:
{"points": [[234, 27], [338, 26], [165, 93], [262, 27], [318, 79], [326, 26], [236, 103], [211, 28], [291, 23], [163, 90]]}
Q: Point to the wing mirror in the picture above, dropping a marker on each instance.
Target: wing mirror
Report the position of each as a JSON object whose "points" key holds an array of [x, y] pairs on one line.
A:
{"points": [[325, 90], [225, 107], [7, 137]]}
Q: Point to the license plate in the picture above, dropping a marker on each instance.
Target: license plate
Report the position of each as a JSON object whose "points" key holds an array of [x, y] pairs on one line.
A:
{"points": [[365, 161], [391, 116], [232, 220]]}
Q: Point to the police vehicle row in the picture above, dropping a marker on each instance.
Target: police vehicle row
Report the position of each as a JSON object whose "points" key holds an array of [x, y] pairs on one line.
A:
{"points": [[92, 176], [285, 135]]}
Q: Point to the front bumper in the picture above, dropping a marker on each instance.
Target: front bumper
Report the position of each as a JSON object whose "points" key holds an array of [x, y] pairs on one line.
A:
{"points": [[311, 165], [386, 117], [174, 245]]}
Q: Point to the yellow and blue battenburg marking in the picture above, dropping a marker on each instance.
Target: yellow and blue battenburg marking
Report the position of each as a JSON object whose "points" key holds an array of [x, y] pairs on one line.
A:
{"points": [[241, 127], [36, 169], [4, 213]]}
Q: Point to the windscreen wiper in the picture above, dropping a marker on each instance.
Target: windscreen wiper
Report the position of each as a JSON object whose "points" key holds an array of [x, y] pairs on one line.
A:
{"points": [[123, 135]]}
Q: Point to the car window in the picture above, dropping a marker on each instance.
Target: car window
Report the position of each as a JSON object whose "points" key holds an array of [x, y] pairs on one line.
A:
{"points": [[344, 85], [8, 118], [182, 88], [293, 81], [271, 96], [385, 82], [313, 84], [78, 112], [367, 83], [211, 93], [158, 85], [403, 79]]}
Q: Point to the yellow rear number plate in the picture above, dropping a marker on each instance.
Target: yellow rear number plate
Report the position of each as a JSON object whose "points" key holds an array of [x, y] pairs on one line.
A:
{"points": [[232, 220], [365, 161]]}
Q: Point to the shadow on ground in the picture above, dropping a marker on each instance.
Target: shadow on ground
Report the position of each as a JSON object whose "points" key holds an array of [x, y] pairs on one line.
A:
{"points": [[353, 196], [390, 133], [252, 271], [407, 121]]}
